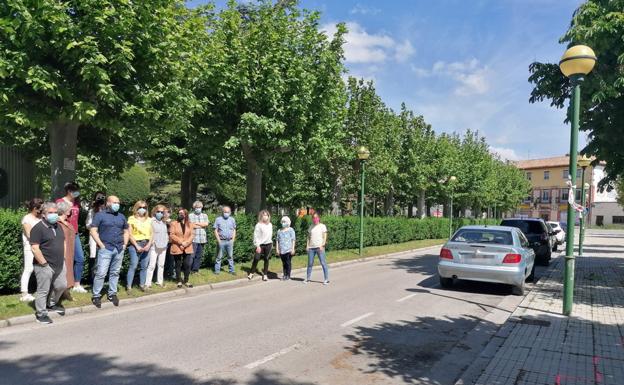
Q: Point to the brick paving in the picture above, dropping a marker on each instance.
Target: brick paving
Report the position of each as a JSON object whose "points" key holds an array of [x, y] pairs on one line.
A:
{"points": [[543, 347]]}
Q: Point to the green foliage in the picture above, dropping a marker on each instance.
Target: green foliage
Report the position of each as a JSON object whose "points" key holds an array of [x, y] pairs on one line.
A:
{"points": [[11, 253], [600, 25], [133, 185]]}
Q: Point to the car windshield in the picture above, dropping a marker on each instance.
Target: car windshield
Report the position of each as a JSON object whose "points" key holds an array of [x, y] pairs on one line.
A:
{"points": [[527, 227], [483, 236]]}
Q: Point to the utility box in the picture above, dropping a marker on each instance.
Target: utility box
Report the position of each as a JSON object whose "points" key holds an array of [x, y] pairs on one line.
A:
{"points": [[17, 178]]}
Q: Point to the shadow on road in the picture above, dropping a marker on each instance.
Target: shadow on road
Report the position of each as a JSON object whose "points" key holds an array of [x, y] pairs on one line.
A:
{"points": [[97, 369]]}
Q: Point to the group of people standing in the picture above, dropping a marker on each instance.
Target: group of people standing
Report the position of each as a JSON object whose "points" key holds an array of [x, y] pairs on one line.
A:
{"points": [[53, 249]]}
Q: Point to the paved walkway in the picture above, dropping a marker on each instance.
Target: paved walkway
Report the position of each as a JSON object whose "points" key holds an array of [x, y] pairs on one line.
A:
{"points": [[539, 346]]}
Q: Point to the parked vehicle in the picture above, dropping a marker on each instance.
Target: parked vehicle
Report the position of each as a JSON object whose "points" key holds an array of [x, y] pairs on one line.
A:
{"points": [[488, 254], [561, 235], [539, 235], [553, 237]]}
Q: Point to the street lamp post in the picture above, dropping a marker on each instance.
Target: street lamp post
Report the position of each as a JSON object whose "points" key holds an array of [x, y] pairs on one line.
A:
{"points": [[583, 162], [451, 180], [575, 63], [363, 155]]}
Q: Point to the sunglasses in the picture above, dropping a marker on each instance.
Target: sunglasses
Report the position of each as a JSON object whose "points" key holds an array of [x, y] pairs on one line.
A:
{"points": [[160, 212]]}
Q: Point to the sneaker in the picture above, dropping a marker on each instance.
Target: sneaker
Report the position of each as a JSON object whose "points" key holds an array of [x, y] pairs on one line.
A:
{"points": [[43, 319], [58, 309], [217, 272], [128, 289], [78, 289], [284, 277], [97, 301], [26, 297], [325, 282], [113, 298], [179, 285], [250, 276], [189, 285], [142, 288], [265, 278], [306, 281]]}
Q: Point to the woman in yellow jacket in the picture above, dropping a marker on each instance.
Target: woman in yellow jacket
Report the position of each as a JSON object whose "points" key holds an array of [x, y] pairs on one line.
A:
{"points": [[181, 237]]}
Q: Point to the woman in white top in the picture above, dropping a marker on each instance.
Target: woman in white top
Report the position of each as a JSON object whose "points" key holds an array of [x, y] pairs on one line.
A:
{"points": [[263, 241], [158, 251], [317, 239], [28, 221]]}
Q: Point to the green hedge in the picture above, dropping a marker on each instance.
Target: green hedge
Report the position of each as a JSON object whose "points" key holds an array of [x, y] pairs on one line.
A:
{"points": [[343, 233]]}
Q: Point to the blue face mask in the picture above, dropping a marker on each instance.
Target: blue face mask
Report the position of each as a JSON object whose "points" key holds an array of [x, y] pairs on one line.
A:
{"points": [[226, 215], [115, 207], [52, 218], [284, 224], [159, 216], [198, 210], [141, 211], [75, 194]]}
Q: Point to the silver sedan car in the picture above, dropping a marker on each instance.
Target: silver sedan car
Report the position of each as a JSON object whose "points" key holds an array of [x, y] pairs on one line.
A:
{"points": [[497, 254]]}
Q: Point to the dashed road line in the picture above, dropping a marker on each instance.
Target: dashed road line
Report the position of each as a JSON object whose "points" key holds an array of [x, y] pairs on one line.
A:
{"points": [[356, 319], [406, 297], [272, 356]]}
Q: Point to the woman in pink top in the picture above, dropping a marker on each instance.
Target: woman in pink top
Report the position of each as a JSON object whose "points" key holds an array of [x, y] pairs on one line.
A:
{"points": [[72, 194]]}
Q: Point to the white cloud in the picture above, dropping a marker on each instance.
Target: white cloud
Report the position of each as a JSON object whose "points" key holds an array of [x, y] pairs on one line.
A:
{"points": [[472, 78], [364, 10], [505, 153], [364, 47]]}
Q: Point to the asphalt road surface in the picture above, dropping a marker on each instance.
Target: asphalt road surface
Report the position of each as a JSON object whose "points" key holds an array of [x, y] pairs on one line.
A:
{"points": [[381, 322]]}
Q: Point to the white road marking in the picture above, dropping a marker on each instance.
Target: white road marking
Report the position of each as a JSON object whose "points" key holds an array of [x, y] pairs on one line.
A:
{"points": [[406, 297], [351, 322], [272, 356]]}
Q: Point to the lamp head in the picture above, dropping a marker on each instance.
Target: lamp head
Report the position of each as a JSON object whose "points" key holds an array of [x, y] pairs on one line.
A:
{"points": [[583, 161], [363, 153], [577, 60], [586, 186]]}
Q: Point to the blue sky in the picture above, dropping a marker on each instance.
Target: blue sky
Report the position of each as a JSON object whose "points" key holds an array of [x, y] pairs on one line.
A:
{"points": [[460, 63]]}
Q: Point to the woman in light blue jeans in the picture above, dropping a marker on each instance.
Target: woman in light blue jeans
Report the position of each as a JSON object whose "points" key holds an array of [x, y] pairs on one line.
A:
{"points": [[317, 239]]}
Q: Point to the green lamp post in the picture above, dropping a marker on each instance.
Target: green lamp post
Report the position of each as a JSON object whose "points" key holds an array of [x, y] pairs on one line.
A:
{"points": [[583, 162], [575, 63], [363, 155], [451, 180]]}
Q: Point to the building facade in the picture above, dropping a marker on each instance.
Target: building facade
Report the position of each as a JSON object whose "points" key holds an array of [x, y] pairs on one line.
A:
{"points": [[604, 209], [549, 196]]}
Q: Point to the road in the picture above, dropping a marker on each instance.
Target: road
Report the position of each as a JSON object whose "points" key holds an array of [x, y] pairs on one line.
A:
{"points": [[381, 322]]}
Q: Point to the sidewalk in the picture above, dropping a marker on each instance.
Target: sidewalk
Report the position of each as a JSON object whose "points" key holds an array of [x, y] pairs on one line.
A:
{"points": [[537, 345]]}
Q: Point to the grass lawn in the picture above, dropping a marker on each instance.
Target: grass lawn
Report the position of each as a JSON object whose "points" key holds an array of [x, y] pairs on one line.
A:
{"points": [[10, 306]]}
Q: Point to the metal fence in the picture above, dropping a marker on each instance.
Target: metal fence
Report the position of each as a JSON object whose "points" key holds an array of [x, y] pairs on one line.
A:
{"points": [[17, 178]]}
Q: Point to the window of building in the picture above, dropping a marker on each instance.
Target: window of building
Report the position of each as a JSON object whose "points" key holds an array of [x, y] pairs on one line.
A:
{"points": [[618, 220], [545, 196], [528, 175], [578, 195], [565, 175], [564, 195], [579, 173], [546, 175]]}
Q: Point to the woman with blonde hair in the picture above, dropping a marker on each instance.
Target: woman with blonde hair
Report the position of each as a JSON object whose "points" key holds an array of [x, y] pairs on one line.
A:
{"points": [[181, 236], [140, 242], [158, 252], [263, 241]]}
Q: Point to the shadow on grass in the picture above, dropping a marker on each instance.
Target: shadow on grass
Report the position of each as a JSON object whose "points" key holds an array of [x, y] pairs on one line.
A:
{"points": [[97, 369]]}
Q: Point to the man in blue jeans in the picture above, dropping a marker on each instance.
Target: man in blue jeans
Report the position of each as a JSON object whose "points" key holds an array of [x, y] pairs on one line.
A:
{"points": [[109, 229], [225, 232]]}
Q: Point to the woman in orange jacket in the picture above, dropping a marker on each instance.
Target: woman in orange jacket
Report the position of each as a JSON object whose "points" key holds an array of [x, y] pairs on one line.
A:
{"points": [[181, 237]]}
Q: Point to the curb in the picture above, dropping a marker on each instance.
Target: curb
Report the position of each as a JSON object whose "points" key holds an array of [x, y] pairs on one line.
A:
{"points": [[162, 297]]}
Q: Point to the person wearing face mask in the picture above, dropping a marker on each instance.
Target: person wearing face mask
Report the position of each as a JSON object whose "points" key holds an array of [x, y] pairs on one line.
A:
{"points": [[48, 246], [110, 231], [225, 232], [199, 222], [98, 203], [285, 244], [317, 239], [72, 197], [181, 236], [28, 222], [64, 211], [169, 262], [140, 244], [263, 241], [158, 251]]}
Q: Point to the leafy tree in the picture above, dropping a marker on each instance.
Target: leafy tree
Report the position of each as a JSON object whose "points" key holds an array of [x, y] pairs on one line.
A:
{"points": [[133, 185], [598, 24], [112, 67]]}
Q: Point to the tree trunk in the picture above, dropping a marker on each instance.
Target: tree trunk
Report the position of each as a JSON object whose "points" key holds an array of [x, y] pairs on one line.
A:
{"points": [[263, 196], [389, 203], [63, 139], [253, 199], [337, 197], [410, 210], [186, 183], [421, 204]]}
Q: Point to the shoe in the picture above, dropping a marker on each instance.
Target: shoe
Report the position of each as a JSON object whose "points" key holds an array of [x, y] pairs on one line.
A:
{"points": [[284, 277], [232, 273], [142, 288], [189, 285], [78, 289], [161, 285], [250, 276], [97, 301], [179, 285], [325, 282], [288, 277], [113, 298], [58, 309], [43, 319], [306, 281], [265, 278], [128, 289], [217, 272], [27, 297]]}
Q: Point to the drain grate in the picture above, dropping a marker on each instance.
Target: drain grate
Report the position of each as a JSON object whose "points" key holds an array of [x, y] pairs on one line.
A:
{"points": [[531, 321]]}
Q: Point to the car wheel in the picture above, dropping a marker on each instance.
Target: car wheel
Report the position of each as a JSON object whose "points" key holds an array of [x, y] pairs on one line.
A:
{"points": [[518, 290], [446, 282], [531, 277]]}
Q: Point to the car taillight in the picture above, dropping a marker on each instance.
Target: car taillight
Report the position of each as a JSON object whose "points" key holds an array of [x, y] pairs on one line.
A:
{"points": [[512, 258], [446, 254]]}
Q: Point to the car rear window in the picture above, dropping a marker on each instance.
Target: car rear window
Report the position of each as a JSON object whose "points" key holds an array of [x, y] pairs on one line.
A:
{"points": [[483, 236], [527, 227]]}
